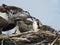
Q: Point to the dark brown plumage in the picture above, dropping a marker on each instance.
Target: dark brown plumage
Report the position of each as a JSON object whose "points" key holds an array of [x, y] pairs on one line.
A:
{"points": [[3, 23], [9, 27], [3, 10], [15, 9]]}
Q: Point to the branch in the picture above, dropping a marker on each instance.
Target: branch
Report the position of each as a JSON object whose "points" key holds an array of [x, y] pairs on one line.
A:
{"points": [[2, 36]]}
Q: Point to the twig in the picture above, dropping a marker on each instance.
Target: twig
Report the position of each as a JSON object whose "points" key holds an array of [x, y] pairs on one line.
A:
{"points": [[2, 41], [2, 36], [40, 42], [54, 40], [13, 41]]}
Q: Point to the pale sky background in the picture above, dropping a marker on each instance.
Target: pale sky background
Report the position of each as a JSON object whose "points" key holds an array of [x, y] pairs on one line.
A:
{"points": [[47, 11]]}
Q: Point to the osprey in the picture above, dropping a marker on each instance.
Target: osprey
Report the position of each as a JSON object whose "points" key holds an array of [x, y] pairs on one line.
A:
{"points": [[4, 21], [5, 24], [35, 24]]}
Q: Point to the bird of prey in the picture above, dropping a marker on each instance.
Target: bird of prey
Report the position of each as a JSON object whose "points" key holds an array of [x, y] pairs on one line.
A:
{"points": [[35, 24]]}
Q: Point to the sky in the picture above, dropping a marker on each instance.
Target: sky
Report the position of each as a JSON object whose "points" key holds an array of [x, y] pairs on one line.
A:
{"points": [[47, 11]]}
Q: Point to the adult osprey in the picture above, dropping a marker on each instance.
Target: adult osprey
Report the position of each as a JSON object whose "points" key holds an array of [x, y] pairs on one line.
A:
{"points": [[5, 24], [8, 15], [3, 18]]}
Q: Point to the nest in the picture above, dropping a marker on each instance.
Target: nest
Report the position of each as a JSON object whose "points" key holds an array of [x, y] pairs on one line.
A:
{"points": [[27, 38]]}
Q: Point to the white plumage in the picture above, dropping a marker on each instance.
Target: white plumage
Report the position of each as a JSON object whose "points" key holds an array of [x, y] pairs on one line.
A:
{"points": [[35, 26], [16, 28], [4, 15]]}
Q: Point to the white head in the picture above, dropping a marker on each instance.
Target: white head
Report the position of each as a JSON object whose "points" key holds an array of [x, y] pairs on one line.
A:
{"points": [[33, 19], [35, 26], [39, 22]]}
